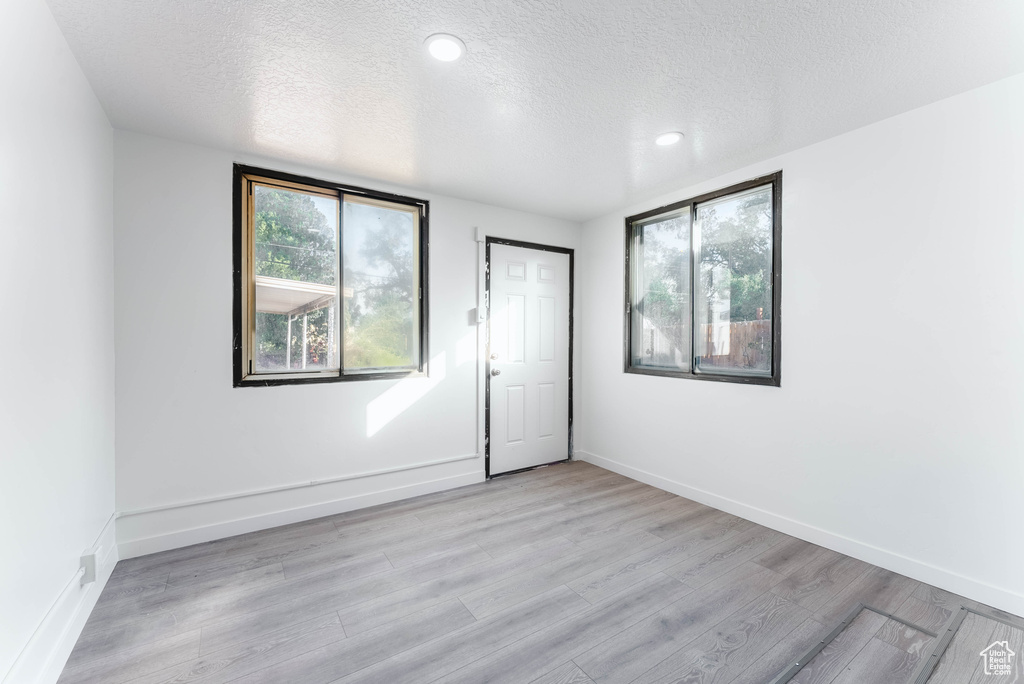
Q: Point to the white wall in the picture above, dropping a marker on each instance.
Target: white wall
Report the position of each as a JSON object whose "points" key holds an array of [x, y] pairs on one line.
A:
{"points": [[56, 303], [897, 435], [184, 434]]}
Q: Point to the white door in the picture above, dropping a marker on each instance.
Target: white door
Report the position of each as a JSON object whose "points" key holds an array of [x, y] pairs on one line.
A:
{"points": [[528, 369]]}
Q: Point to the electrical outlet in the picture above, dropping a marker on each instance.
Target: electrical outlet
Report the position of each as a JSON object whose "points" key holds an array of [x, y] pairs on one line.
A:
{"points": [[88, 564]]}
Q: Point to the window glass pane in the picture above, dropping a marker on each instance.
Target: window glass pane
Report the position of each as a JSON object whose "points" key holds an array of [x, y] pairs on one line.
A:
{"points": [[733, 240], [661, 292], [295, 259], [381, 291]]}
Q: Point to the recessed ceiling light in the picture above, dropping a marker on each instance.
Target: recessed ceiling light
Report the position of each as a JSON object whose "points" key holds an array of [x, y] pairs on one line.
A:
{"points": [[445, 47], [670, 138]]}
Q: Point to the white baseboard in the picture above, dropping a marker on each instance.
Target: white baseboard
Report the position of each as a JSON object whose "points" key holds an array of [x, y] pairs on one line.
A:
{"points": [[990, 595], [141, 546], [44, 656]]}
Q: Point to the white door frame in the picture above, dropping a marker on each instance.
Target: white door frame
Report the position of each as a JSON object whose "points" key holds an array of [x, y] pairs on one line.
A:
{"points": [[487, 346]]}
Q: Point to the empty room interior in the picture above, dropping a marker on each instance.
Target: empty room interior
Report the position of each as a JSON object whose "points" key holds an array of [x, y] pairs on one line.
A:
{"points": [[560, 342]]}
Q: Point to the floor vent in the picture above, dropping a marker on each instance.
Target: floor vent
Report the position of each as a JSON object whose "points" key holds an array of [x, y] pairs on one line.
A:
{"points": [[796, 667], [975, 644]]}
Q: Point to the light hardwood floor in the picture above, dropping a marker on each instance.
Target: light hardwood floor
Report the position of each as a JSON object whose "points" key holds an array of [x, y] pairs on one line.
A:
{"points": [[567, 574], [962, 664]]}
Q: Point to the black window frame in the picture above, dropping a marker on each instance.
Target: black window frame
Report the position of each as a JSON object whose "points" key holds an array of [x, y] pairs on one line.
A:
{"points": [[772, 380], [240, 190]]}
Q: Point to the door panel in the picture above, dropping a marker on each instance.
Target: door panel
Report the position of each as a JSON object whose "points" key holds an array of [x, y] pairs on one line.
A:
{"points": [[515, 404], [529, 347]]}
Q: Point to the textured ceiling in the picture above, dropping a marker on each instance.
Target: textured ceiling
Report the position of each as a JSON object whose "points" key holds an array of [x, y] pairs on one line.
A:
{"points": [[556, 105]]}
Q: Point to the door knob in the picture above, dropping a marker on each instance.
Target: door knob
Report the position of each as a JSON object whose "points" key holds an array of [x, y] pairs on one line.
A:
{"points": [[495, 372], [494, 357]]}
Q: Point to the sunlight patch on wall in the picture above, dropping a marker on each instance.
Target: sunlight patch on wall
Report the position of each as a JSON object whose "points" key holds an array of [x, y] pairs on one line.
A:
{"points": [[465, 349], [399, 398]]}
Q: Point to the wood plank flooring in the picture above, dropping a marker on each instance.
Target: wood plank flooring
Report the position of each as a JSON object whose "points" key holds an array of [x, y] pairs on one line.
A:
{"points": [[564, 575], [961, 662]]}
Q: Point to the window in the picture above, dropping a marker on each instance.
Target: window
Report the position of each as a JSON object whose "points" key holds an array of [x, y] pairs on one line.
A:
{"points": [[703, 284], [330, 281]]}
